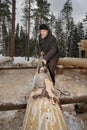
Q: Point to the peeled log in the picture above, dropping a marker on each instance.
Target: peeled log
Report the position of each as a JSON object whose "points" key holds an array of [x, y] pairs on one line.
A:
{"points": [[77, 62], [5, 60], [43, 109]]}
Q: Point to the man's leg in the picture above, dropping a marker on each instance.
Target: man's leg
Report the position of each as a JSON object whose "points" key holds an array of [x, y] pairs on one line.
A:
{"points": [[51, 65], [52, 74]]}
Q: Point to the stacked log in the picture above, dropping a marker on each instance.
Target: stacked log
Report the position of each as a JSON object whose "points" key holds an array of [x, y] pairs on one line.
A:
{"points": [[5, 60], [76, 62]]}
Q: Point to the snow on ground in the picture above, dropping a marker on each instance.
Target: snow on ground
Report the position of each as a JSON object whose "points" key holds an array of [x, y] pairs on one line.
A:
{"points": [[23, 60], [19, 59]]}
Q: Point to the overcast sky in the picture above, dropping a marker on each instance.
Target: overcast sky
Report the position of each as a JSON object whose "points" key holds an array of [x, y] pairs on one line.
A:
{"points": [[79, 8]]}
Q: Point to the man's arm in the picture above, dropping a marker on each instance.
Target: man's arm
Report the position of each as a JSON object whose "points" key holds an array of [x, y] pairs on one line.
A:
{"points": [[53, 50]]}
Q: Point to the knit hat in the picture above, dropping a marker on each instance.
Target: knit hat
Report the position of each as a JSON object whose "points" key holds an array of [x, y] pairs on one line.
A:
{"points": [[43, 27]]}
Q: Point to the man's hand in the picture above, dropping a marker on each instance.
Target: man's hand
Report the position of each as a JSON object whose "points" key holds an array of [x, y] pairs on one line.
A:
{"points": [[44, 61], [42, 53]]}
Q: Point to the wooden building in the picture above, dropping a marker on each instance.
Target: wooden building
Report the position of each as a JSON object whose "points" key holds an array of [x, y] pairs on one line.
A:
{"points": [[83, 49]]}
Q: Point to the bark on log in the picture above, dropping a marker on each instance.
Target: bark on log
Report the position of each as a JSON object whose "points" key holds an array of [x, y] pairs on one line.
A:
{"points": [[76, 62], [16, 67], [74, 99], [6, 106], [31, 67]]}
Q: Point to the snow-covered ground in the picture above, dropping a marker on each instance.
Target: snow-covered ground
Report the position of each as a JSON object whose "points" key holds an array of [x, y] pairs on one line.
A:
{"points": [[23, 60], [19, 59]]}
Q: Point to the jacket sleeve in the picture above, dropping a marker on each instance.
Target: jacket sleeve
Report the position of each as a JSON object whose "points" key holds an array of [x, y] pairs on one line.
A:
{"points": [[52, 50]]}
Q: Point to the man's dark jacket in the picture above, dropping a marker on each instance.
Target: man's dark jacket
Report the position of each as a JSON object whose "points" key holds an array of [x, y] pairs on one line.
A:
{"points": [[50, 48]]}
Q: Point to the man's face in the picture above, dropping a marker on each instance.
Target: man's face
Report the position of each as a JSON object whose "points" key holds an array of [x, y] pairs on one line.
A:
{"points": [[43, 33]]}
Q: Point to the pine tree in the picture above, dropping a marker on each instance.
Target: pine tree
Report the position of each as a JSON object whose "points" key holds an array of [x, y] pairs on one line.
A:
{"points": [[17, 41], [5, 21], [23, 39], [0, 27], [13, 29], [0, 10], [73, 40], [27, 21], [43, 9], [52, 22], [60, 37], [35, 35], [5, 40], [85, 26], [32, 48], [5, 11], [80, 31], [75, 44], [67, 14]]}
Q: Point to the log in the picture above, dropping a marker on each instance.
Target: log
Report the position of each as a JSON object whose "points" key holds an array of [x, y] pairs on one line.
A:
{"points": [[69, 67], [43, 109], [73, 99], [76, 62], [5, 60], [16, 67], [6, 106], [31, 67]]}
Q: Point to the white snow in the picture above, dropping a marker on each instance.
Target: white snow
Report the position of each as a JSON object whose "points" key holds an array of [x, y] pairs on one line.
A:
{"points": [[19, 59]]}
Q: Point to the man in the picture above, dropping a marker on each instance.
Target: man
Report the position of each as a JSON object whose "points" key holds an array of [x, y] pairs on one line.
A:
{"points": [[49, 48]]}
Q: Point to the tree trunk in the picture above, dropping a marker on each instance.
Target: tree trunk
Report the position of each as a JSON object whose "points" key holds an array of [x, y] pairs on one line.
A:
{"points": [[0, 24], [28, 31], [0, 10], [13, 29]]}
